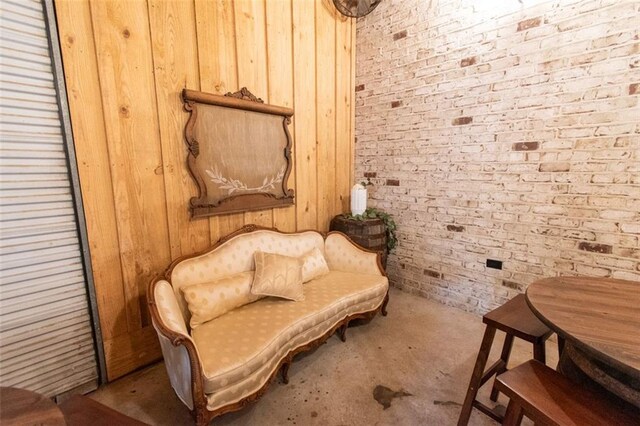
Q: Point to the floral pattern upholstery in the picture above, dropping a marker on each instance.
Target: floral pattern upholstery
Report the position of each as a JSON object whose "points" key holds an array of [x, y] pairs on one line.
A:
{"points": [[342, 255], [236, 255], [313, 265], [236, 347], [210, 300]]}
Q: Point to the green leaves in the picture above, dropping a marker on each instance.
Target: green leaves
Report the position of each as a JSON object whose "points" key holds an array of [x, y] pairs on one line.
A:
{"points": [[387, 219]]}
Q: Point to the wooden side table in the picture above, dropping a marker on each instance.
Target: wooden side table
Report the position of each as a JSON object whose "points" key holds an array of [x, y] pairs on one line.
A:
{"points": [[370, 234]]}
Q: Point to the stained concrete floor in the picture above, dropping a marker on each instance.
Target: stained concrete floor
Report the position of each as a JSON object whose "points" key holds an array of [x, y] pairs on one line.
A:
{"points": [[422, 348]]}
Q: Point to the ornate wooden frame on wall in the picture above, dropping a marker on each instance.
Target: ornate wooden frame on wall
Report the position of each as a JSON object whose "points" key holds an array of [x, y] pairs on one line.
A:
{"points": [[237, 122]]}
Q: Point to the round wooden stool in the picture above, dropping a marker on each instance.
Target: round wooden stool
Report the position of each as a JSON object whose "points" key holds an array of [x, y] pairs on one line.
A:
{"points": [[516, 320]]}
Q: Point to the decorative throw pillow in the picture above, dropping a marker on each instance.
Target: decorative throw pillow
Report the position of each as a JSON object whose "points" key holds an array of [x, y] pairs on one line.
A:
{"points": [[277, 275], [210, 300], [313, 265]]}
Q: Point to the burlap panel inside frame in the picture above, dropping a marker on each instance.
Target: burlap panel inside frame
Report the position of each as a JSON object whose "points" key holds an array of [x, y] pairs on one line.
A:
{"points": [[239, 152]]}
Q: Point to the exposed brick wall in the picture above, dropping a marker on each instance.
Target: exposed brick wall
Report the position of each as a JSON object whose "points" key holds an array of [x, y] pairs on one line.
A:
{"points": [[497, 130]]}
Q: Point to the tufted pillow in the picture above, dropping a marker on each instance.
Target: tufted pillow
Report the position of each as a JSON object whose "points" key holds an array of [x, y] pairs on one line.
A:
{"points": [[277, 275], [210, 300], [313, 265]]}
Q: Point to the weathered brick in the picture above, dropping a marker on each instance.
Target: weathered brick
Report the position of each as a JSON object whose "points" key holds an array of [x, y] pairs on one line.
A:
{"points": [[393, 182], [455, 228], [458, 121], [595, 248], [468, 61], [555, 167], [529, 23], [370, 174], [513, 285], [359, 87], [634, 88], [431, 273], [525, 146], [399, 35], [396, 104]]}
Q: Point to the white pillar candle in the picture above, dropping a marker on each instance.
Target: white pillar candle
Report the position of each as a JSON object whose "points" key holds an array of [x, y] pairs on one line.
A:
{"points": [[358, 199]]}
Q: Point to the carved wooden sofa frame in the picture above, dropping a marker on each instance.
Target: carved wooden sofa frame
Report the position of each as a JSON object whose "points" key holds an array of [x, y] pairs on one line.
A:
{"points": [[201, 414]]}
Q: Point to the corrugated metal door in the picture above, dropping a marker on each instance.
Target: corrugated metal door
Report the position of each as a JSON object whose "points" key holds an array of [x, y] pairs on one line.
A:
{"points": [[46, 339]]}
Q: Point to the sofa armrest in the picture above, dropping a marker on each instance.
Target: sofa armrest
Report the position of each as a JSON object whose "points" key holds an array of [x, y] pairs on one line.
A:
{"points": [[344, 255], [178, 348]]}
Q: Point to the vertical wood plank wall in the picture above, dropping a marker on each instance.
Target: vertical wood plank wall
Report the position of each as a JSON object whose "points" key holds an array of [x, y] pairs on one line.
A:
{"points": [[125, 64]]}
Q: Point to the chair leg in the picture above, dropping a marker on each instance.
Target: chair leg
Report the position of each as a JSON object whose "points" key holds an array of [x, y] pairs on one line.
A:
{"points": [[342, 330], [476, 376], [383, 310], [504, 357], [513, 416], [560, 346], [285, 373], [539, 352]]}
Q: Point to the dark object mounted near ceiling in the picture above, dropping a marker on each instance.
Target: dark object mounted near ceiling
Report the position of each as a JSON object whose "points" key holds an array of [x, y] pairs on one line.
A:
{"points": [[356, 8], [239, 152]]}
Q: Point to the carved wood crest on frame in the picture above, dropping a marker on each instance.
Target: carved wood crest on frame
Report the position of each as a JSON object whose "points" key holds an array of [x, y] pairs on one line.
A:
{"points": [[239, 152]]}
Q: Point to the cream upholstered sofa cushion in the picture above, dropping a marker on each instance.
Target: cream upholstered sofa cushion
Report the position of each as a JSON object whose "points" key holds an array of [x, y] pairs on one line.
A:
{"points": [[236, 255], [313, 265], [237, 346], [210, 300], [277, 275]]}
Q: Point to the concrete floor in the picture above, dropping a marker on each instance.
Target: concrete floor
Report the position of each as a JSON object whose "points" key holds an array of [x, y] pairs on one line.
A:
{"points": [[421, 347]]}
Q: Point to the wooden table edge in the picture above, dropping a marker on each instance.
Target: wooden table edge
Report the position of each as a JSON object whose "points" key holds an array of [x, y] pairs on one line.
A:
{"points": [[589, 350]]}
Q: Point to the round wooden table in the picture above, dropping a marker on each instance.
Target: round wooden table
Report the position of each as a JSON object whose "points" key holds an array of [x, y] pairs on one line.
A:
{"points": [[598, 323], [23, 407]]}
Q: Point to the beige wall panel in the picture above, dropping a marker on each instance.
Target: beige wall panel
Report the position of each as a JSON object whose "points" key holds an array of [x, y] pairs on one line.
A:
{"points": [[131, 351], [125, 68], [216, 30], [87, 119], [304, 78], [280, 72], [325, 111], [251, 51], [344, 99], [176, 67]]}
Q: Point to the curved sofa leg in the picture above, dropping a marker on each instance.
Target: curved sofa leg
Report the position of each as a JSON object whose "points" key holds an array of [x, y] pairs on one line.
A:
{"points": [[383, 310], [284, 371], [342, 331], [201, 418]]}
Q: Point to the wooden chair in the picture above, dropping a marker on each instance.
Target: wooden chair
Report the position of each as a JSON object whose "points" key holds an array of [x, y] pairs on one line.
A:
{"points": [[516, 320], [549, 398]]}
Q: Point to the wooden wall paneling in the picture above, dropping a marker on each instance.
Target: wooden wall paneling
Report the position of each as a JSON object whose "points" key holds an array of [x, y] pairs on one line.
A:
{"points": [[125, 68], [344, 94], [304, 92], [280, 72], [175, 62], [251, 53], [128, 130], [131, 351], [352, 89], [216, 34], [83, 90], [325, 21]]}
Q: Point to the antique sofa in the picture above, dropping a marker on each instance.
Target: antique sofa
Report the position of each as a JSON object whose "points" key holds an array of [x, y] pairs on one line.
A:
{"points": [[228, 362]]}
